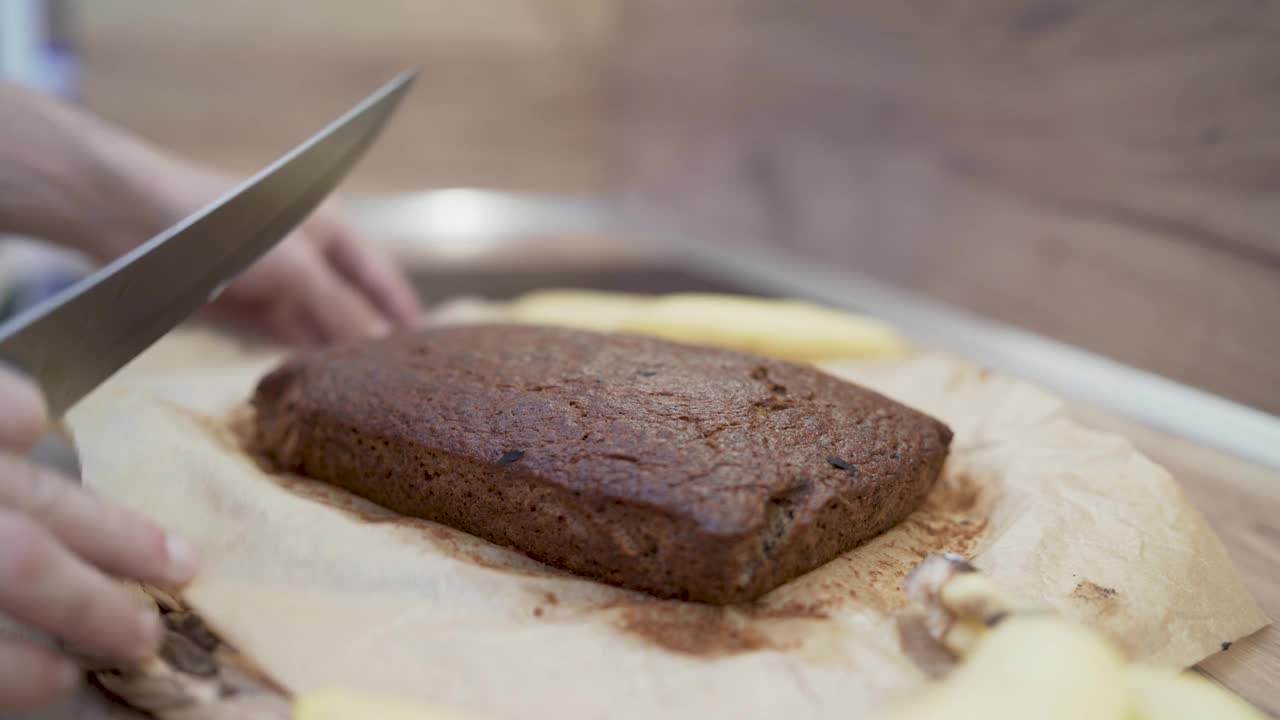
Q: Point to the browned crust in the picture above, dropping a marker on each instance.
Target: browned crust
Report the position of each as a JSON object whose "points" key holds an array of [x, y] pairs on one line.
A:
{"points": [[685, 472]]}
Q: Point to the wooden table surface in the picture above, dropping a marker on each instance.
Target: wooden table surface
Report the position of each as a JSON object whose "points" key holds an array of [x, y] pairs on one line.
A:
{"points": [[1104, 173]]}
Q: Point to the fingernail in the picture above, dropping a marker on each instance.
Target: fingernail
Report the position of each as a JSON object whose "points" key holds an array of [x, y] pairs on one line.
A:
{"points": [[182, 559]]}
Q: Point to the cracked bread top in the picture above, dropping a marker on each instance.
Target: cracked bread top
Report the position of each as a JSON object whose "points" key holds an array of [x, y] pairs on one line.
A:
{"points": [[680, 470]]}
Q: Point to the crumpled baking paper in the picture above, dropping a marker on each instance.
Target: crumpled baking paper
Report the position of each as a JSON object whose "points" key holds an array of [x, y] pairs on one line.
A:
{"points": [[320, 589]]}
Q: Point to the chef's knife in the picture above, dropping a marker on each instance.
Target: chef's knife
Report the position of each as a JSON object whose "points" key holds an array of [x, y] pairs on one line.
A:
{"points": [[80, 337]]}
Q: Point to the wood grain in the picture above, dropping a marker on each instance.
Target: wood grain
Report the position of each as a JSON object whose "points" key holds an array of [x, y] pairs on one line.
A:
{"points": [[508, 96], [1104, 173]]}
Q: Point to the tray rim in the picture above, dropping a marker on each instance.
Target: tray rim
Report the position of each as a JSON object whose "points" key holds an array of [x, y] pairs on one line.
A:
{"points": [[490, 220]]}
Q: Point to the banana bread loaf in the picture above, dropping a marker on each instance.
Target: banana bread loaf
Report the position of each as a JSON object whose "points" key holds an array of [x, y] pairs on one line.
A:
{"points": [[683, 471]]}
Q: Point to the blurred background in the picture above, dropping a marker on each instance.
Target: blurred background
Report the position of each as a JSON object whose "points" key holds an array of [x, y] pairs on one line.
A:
{"points": [[1104, 173]]}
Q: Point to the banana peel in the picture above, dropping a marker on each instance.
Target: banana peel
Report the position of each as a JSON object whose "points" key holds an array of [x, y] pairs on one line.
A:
{"points": [[787, 329], [1031, 666], [1018, 661]]}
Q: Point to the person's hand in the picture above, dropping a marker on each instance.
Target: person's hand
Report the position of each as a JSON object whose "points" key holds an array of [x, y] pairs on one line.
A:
{"points": [[324, 283], [61, 548], [72, 179]]}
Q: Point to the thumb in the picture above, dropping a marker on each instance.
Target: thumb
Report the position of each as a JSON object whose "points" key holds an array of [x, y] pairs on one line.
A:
{"points": [[23, 414]]}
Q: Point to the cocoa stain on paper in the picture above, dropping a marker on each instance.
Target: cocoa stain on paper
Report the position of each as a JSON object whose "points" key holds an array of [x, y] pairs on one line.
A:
{"points": [[1099, 599], [1093, 593], [1096, 604], [693, 629], [710, 631], [798, 614], [794, 616], [953, 519]]}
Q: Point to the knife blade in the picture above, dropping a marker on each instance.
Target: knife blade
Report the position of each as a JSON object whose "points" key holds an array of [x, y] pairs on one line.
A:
{"points": [[80, 337]]}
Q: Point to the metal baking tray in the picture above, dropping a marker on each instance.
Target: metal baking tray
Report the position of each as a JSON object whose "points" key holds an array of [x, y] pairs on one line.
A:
{"points": [[460, 242]]}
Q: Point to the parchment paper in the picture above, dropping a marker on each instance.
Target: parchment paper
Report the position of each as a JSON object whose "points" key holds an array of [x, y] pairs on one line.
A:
{"points": [[323, 590]]}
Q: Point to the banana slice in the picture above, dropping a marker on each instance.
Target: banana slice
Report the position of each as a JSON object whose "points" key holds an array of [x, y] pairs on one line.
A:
{"points": [[346, 705]]}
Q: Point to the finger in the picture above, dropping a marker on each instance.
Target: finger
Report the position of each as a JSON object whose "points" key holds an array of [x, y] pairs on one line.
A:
{"points": [[370, 270], [46, 587], [31, 675], [287, 323], [317, 337], [112, 538], [337, 308], [278, 318], [23, 414]]}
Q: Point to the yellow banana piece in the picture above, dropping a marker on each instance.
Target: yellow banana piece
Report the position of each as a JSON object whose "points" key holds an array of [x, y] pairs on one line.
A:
{"points": [[788, 329], [1168, 695], [1021, 662], [581, 309], [1031, 666], [346, 705]]}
